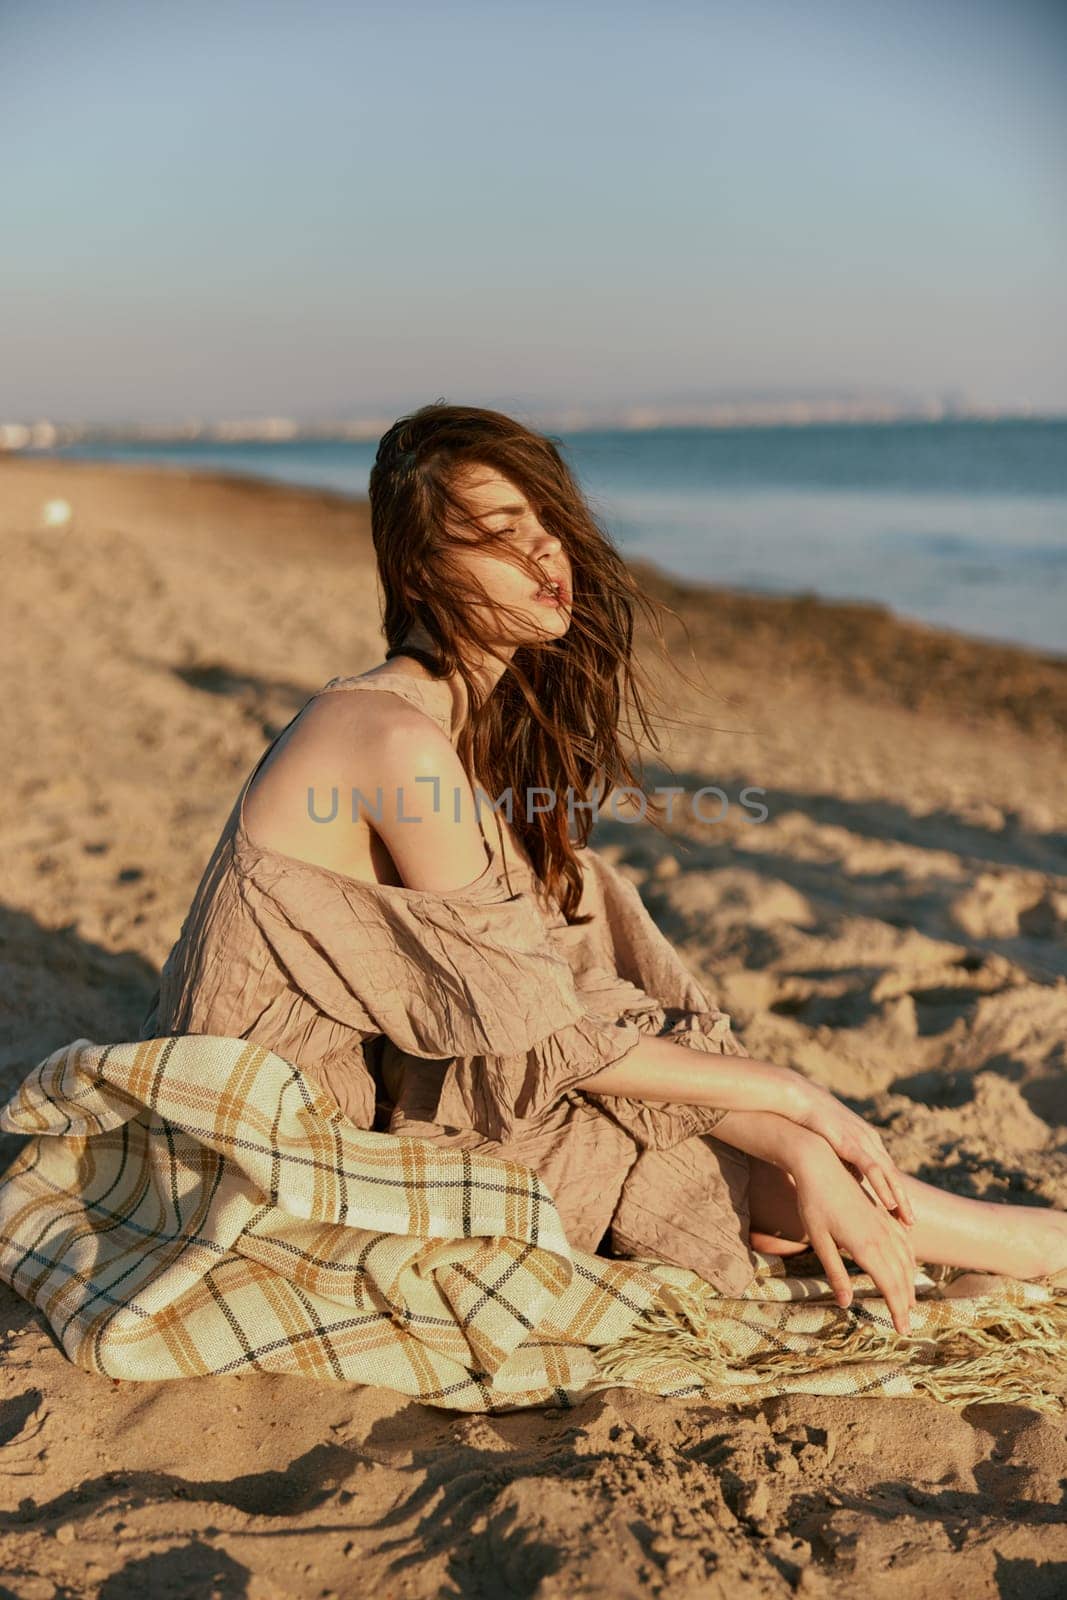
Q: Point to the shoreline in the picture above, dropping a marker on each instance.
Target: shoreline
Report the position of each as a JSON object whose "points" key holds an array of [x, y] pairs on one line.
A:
{"points": [[864, 644]]}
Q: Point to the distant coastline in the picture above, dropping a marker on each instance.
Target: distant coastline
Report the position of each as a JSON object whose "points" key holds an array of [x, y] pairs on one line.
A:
{"points": [[770, 410]]}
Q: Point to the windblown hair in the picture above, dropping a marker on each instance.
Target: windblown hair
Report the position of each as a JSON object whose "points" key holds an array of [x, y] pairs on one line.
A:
{"points": [[552, 721]]}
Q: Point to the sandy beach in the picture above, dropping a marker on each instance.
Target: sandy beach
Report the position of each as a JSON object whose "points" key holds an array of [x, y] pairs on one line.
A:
{"points": [[894, 928]]}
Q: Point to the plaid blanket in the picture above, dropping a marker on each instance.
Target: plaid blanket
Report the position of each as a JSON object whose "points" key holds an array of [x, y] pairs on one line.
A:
{"points": [[194, 1205]]}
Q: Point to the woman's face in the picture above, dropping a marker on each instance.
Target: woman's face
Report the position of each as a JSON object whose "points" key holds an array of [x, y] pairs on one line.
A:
{"points": [[503, 508]]}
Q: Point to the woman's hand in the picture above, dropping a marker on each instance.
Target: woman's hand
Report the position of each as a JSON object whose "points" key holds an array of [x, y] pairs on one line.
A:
{"points": [[837, 1211], [857, 1144]]}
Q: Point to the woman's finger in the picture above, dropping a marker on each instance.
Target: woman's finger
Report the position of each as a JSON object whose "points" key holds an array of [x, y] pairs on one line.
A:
{"points": [[902, 1299], [880, 1184], [890, 1178], [836, 1272], [884, 1257], [900, 1204], [900, 1238], [867, 1149], [869, 1191], [887, 1183], [910, 1264], [900, 1191], [890, 1279], [907, 1299], [904, 1268]]}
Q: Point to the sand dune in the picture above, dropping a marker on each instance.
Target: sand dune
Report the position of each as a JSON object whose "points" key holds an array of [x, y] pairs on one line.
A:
{"points": [[895, 928]]}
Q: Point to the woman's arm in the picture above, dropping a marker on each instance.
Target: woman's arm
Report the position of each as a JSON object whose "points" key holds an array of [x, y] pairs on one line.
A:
{"points": [[661, 1070], [773, 1138]]}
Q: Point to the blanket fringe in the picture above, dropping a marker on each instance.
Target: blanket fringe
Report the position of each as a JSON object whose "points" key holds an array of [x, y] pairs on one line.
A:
{"points": [[694, 1342]]}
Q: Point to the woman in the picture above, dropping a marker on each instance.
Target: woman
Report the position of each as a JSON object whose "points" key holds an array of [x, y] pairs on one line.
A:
{"points": [[510, 994]]}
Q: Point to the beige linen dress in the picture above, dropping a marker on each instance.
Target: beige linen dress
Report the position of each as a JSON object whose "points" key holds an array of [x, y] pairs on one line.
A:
{"points": [[483, 1010]]}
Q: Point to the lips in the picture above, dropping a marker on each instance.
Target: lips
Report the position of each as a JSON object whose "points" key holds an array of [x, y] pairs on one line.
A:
{"points": [[560, 588]]}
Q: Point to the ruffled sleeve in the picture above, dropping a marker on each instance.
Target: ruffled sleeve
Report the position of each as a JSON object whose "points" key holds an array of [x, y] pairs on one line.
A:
{"points": [[631, 983], [512, 1011], [440, 975], [493, 1093], [624, 938]]}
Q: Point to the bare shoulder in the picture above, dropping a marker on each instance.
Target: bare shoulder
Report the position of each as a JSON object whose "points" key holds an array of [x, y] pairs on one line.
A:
{"points": [[363, 784], [298, 802], [381, 736], [426, 811]]}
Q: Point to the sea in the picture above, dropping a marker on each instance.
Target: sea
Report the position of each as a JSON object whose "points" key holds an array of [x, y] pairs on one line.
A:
{"points": [[959, 523]]}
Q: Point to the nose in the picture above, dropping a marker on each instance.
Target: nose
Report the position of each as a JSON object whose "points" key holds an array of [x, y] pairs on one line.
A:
{"points": [[549, 544]]}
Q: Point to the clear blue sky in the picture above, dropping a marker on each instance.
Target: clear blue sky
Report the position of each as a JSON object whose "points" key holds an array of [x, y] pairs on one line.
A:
{"points": [[309, 209]]}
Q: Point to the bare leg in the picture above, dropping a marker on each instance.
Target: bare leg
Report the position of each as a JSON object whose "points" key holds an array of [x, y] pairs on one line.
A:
{"points": [[986, 1235], [776, 1228]]}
